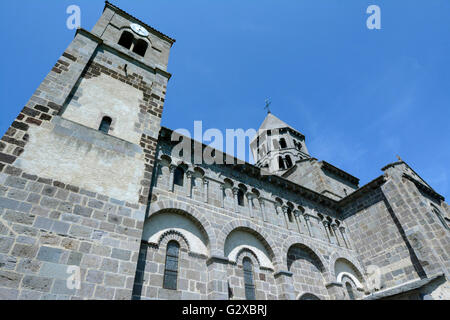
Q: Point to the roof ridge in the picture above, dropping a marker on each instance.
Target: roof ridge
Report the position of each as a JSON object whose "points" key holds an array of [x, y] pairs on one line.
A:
{"points": [[171, 40]]}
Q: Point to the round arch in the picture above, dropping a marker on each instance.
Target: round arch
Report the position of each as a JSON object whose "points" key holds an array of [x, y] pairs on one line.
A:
{"points": [[295, 240], [307, 296], [198, 218], [347, 258], [245, 225]]}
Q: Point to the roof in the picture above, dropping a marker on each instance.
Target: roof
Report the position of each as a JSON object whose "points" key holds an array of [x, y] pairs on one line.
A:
{"points": [[162, 35], [272, 122], [405, 287], [345, 175]]}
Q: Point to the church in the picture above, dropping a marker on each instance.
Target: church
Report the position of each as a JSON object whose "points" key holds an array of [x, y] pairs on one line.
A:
{"points": [[95, 202]]}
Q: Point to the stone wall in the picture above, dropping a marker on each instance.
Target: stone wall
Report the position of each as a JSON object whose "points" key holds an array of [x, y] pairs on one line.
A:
{"points": [[71, 196], [260, 228]]}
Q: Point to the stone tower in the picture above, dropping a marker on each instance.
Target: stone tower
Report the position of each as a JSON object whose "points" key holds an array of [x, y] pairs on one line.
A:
{"points": [[76, 165], [277, 146]]}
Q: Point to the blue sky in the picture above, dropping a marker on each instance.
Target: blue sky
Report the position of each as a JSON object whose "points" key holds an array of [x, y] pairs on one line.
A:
{"points": [[359, 96]]}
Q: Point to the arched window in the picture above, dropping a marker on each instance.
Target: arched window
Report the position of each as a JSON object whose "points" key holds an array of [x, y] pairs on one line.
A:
{"points": [[178, 176], [283, 143], [309, 296], [350, 293], [248, 279], [240, 196], [288, 161], [126, 39], [171, 267], [105, 125], [281, 163], [140, 47]]}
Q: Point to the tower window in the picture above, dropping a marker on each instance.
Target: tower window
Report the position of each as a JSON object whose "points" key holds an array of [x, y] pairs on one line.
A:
{"points": [[140, 47], [126, 39], [281, 163], [283, 143], [178, 177], [240, 196], [248, 279], [288, 161], [105, 125], [171, 267]]}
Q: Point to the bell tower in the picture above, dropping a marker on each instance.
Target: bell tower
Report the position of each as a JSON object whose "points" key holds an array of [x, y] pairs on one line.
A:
{"points": [[277, 146], [81, 156]]}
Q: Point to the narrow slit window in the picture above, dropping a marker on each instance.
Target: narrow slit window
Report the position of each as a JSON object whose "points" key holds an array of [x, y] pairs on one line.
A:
{"points": [[178, 177], [248, 279], [288, 161], [126, 39], [171, 266], [105, 125], [290, 217], [240, 197], [280, 163]]}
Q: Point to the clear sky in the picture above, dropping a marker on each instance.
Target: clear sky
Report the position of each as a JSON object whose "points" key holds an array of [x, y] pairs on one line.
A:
{"points": [[360, 96]]}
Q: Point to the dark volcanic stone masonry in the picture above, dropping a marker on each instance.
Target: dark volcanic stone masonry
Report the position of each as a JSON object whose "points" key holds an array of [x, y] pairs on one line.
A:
{"points": [[96, 203]]}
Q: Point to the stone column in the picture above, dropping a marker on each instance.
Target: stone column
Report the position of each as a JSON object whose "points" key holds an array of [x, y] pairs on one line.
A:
{"points": [[286, 220], [222, 195], [217, 287], [279, 211], [306, 217], [334, 226], [263, 209], [250, 204], [285, 285], [235, 195], [326, 224], [205, 190], [189, 175], [297, 220], [344, 236], [172, 171]]}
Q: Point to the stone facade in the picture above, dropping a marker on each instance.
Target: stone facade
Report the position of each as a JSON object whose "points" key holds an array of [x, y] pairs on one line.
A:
{"points": [[111, 204]]}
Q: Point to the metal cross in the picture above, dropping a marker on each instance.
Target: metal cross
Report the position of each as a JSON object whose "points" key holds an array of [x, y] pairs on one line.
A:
{"points": [[268, 102]]}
